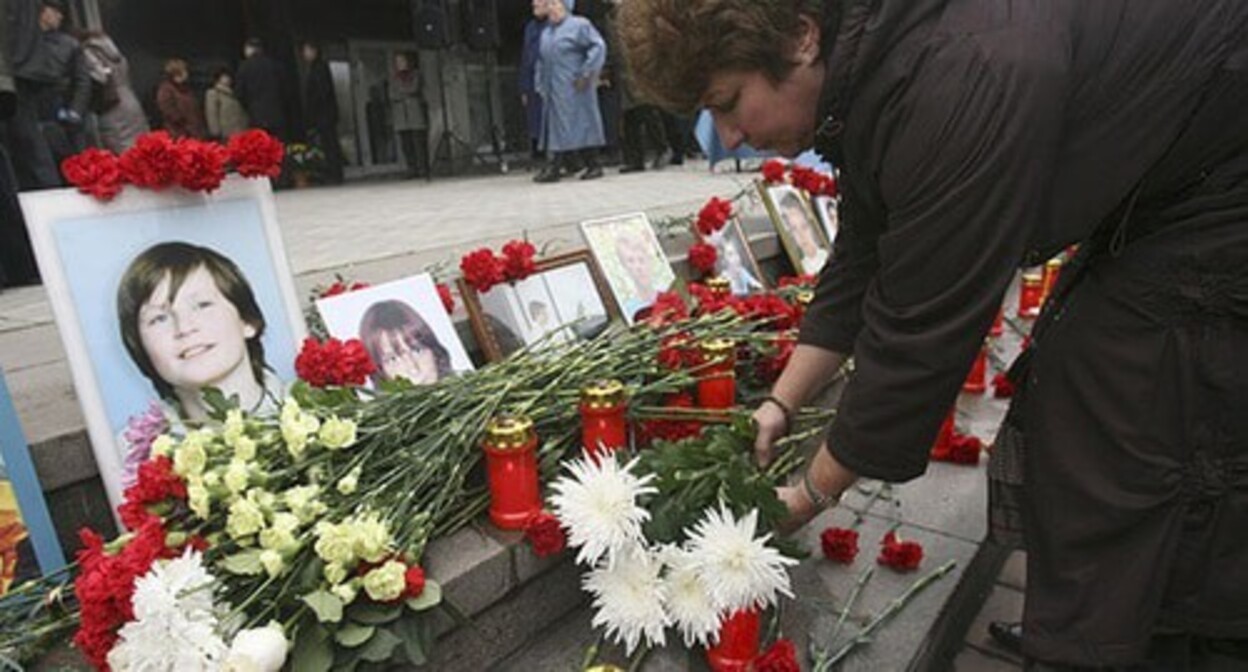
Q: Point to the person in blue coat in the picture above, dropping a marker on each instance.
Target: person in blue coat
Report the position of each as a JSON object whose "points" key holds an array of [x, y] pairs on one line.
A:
{"points": [[571, 54]]}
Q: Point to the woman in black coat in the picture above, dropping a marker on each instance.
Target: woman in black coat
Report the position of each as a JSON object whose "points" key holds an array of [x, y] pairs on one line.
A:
{"points": [[977, 136]]}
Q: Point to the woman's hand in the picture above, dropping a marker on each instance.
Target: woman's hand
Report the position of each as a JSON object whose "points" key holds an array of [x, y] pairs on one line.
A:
{"points": [[801, 509], [772, 424]]}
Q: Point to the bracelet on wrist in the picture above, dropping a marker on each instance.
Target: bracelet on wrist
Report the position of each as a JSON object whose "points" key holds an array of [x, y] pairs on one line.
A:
{"points": [[819, 499], [784, 408]]}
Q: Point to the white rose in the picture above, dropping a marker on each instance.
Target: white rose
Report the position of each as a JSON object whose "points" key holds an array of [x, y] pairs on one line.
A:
{"points": [[258, 650]]}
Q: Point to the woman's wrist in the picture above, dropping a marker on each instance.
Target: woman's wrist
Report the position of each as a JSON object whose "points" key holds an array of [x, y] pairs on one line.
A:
{"points": [[784, 407]]}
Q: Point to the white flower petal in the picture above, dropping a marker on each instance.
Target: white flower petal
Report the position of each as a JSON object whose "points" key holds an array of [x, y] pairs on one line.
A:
{"points": [[740, 570], [629, 597], [597, 504]]}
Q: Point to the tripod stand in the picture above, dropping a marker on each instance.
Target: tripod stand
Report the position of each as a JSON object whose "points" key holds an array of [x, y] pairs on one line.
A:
{"points": [[449, 140]]}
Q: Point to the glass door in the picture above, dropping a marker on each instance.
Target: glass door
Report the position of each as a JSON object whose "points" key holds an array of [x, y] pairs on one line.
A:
{"points": [[376, 141]]}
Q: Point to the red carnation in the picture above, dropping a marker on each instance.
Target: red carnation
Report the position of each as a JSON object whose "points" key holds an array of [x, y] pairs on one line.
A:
{"points": [[448, 299], [964, 449], [152, 162], [334, 363], [806, 179], [702, 257], [414, 577], [201, 165], [668, 308], [678, 352], [830, 188], [781, 657], [902, 556], [482, 270], [1002, 388], [342, 287], [518, 260], [770, 368], [255, 153], [708, 302], [773, 171], [155, 484], [713, 216], [806, 281], [95, 172], [545, 534], [770, 308], [839, 544]]}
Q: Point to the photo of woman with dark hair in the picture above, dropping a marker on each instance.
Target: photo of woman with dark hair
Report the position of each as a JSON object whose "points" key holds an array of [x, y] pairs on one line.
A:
{"points": [[190, 321], [402, 345]]}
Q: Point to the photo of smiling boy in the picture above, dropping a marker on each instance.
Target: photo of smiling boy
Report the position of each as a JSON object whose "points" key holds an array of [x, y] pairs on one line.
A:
{"points": [[190, 321]]}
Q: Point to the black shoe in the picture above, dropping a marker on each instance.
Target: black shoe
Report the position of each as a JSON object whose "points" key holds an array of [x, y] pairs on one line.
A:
{"points": [[592, 173], [635, 168], [1008, 635], [547, 175]]}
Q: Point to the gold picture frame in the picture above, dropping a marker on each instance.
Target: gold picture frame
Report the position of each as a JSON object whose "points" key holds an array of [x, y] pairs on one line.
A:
{"points": [[800, 230]]}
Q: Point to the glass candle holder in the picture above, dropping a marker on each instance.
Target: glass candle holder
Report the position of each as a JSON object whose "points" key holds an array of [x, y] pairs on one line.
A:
{"points": [[510, 447], [604, 425], [738, 642], [717, 380]]}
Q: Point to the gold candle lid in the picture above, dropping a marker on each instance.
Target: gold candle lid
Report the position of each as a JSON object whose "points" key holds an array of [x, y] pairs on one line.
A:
{"points": [[509, 432], [804, 297], [719, 284], [1053, 264], [603, 394], [1032, 278], [718, 346]]}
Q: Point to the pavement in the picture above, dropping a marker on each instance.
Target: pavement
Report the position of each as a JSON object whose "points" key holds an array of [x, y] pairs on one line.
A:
{"points": [[385, 230]]}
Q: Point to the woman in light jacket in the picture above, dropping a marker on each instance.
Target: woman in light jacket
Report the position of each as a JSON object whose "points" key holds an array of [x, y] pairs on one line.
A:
{"points": [[225, 114]]}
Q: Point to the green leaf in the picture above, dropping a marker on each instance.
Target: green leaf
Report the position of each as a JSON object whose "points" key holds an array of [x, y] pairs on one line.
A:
{"points": [[312, 650], [428, 599], [352, 635], [326, 605], [245, 563], [374, 614], [380, 647], [312, 574], [218, 404], [413, 630]]}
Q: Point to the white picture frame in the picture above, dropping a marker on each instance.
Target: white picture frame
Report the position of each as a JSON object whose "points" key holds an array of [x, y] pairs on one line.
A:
{"points": [[637, 271], [404, 327], [90, 253]]}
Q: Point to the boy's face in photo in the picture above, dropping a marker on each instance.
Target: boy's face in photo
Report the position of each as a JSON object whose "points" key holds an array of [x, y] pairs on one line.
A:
{"points": [[197, 338]]}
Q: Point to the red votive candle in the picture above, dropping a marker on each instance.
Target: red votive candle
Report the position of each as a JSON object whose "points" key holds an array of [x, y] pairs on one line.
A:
{"points": [[717, 380], [719, 286], [1029, 295], [1052, 269], [738, 642], [510, 446], [604, 428], [977, 380]]}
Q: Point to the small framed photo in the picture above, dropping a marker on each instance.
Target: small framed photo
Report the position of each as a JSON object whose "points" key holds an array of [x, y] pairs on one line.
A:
{"points": [[632, 261], [160, 295], [800, 234], [566, 298], [827, 209], [404, 327], [735, 260]]}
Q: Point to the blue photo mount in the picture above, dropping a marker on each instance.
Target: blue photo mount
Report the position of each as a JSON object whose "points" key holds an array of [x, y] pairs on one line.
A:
{"points": [[34, 509]]}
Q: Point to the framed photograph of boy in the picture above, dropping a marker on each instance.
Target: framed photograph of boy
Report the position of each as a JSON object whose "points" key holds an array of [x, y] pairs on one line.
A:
{"points": [[800, 233], [632, 261], [159, 296], [404, 327], [827, 208], [735, 260], [566, 298]]}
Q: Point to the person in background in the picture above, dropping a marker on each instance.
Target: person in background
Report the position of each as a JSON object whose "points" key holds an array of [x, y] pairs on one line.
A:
{"points": [[261, 89], [52, 76], [411, 120], [17, 262], [225, 114], [526, 82], [571, 55], [121, 117], [180, 113], [320, 110]]}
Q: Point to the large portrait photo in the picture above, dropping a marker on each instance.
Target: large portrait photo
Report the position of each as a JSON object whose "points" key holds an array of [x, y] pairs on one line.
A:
{"points": [[566, 298], [631, 259], [404, 328], [800, 233], [160, 297]]}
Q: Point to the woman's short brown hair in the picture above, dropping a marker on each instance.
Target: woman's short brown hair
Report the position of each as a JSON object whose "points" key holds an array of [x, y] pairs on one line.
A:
{"points": [[672, 47], [175, 67]]}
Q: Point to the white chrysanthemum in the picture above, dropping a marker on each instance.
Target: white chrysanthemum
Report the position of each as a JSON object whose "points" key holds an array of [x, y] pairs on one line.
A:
{"points": [[597, 503], [689, 600], [740, 570], [628, 597], [175, 626]]}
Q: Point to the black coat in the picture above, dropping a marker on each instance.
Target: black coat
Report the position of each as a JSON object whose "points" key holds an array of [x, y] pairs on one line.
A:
{"points": [[261, 87], [975, 136], [320, 105]]}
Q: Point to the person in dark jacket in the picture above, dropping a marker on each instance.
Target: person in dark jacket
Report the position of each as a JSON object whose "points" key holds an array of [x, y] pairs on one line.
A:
{"points": [[17, 261], [260, 87], [320, 110], [974, 137], [180, 112]]}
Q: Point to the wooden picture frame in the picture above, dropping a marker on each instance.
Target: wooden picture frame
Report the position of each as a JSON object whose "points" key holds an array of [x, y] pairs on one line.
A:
{"points": [[744, 274], [801, 234], [514, 316], [632, 261]]}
